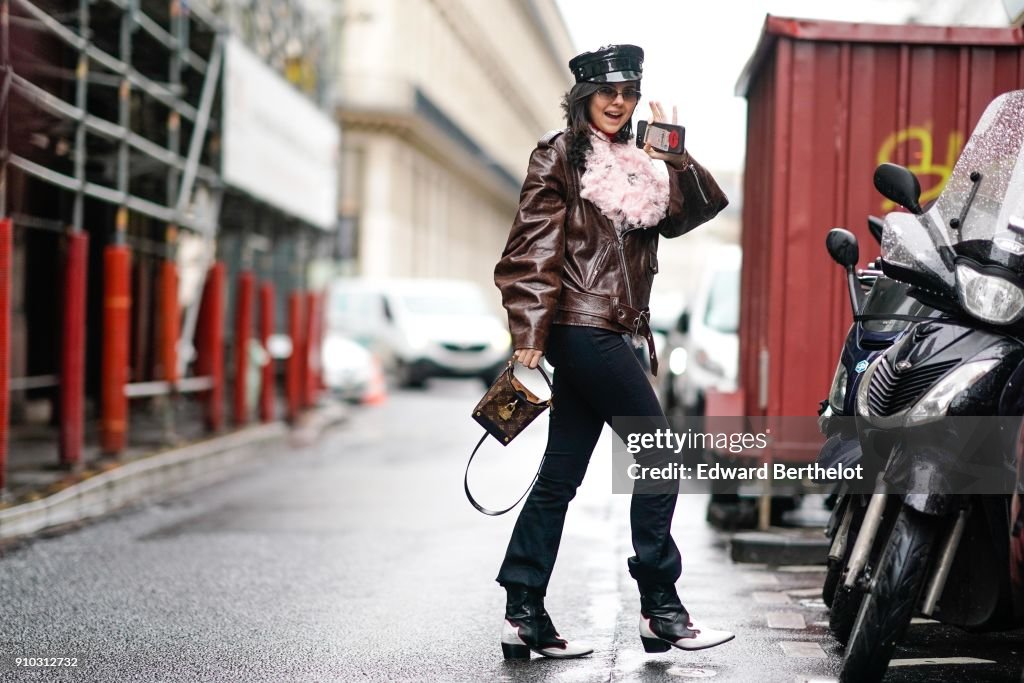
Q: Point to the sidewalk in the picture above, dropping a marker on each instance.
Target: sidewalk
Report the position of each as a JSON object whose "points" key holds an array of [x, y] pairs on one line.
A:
{"points": [[44, 496], [34, 470]]}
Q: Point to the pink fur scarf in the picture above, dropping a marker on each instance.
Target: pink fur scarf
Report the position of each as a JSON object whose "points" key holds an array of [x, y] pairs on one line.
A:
{"points": [[623, 182]]}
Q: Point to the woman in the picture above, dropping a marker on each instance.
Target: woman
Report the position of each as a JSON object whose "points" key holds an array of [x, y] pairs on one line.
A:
{"points": [[575, 276]]}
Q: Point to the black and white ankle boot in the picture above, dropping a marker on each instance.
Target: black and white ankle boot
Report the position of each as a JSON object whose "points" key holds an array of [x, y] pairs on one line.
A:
{"points": [[528, 627], [665, 623]]}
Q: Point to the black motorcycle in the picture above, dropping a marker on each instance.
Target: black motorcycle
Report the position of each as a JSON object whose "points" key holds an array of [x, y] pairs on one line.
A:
{"points": [[939, 412], [882, 313]]}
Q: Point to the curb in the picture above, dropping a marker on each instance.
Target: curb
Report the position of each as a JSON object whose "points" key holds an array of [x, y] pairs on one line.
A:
{"points": [[762, 547], [170, 472]]}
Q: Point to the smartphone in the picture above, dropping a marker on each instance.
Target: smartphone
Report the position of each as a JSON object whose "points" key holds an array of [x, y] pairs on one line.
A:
{"points": [[664, 137]]}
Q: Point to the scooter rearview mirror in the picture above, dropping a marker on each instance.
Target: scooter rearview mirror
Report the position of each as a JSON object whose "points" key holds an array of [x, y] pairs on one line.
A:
{"points": [[842, 247], [899, 184]]}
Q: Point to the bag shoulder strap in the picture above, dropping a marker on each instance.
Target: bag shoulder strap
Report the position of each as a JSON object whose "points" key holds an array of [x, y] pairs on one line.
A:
{"points": [[472, 500]]}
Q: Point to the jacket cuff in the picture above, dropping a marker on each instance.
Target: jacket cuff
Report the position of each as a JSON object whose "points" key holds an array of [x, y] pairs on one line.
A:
{"points": [[530, 339]]}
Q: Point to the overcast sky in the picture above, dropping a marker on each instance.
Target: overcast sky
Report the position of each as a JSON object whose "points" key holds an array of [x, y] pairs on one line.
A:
{"points": [[696, 50]]}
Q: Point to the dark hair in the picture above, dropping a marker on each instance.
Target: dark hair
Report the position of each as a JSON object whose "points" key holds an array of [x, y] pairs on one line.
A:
{"points": [[576, 106]]}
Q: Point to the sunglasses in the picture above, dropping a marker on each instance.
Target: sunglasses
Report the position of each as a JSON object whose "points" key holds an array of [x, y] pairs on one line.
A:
{"points": [[608, 94]]}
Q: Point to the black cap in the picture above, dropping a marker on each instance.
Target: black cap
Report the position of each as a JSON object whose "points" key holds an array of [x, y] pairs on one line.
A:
{"points": [[610, 64]]}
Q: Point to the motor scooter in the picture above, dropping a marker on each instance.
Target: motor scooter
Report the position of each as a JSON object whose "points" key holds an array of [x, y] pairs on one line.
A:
{"points": [[882, 312], [939, 412]]}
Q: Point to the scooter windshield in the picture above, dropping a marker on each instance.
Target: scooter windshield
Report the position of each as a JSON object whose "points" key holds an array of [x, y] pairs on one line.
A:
{"points": [[920, 248], [973, 215], [985, 194]]}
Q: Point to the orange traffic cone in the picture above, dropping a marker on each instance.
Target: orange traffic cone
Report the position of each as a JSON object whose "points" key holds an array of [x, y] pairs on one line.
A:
{"points": [[377, 391]]}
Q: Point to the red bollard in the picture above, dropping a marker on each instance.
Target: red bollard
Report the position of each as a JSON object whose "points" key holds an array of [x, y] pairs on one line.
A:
{"points": [[267, 329], [317, 369], [72, 367], [302, 351], [321, 333], [117, 303], [312, 351], [170, 320], [293, 369], [210, 360], [243, 328], [6, 230]]}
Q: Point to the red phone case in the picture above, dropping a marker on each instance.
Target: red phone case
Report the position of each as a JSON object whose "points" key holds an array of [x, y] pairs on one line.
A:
{"points": [[664, 137]]}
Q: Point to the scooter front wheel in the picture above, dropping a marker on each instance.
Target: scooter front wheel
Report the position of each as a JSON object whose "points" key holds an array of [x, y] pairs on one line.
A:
{"points": [[892, 599]]}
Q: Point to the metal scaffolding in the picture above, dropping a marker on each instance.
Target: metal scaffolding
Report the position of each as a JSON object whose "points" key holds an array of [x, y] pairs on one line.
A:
{"points": [[111, 137], [5, 92], [119, 72], [108, 131]]}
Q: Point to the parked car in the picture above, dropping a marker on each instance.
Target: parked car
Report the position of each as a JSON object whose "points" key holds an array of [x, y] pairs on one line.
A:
{"points": [[703, 348], [422, 328], [347, 366], [666, 310]]}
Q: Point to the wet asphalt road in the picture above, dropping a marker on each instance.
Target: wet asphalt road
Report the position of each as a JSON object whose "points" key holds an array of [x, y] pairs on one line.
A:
{"points": [[360, 559]]}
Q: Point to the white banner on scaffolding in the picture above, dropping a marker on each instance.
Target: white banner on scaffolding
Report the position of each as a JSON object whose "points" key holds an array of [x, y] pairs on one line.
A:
{"points": [[278, 146]]}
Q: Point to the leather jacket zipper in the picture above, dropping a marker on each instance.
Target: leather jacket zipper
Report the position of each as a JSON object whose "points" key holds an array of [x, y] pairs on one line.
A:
{"points": [[696, 179], [622, 262]]}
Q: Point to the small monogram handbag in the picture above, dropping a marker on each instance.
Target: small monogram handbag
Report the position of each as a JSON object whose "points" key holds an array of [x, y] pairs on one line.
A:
{"points": [[505, 411]]}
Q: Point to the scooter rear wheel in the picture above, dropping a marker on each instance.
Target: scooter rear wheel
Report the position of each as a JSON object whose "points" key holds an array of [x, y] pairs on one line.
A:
{"points": [[843, 614]]}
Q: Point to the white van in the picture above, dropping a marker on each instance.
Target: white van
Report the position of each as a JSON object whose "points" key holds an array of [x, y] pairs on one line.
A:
{"points": [[421, 328], [707, 356]]}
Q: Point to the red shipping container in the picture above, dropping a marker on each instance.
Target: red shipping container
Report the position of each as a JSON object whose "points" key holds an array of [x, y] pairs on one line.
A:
{"points": [[828, 102]]}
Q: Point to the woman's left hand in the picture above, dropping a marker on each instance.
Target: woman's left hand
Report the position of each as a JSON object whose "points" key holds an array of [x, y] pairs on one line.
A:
{"points": [[658, 115]]}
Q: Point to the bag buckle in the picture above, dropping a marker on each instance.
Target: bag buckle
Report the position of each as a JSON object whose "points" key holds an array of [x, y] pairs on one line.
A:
{"points": [[505, 411]]}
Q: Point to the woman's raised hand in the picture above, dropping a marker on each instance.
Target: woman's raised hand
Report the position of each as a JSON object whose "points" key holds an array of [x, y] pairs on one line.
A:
{"points": [[657, 116], [528, 357]]}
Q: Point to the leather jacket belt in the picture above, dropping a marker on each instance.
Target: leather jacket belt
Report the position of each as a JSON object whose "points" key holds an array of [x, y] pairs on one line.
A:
{"points": [[631, 320]]}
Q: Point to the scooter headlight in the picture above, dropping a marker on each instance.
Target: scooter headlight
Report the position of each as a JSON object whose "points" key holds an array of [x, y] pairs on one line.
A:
{"points": [[989, 297], [837, 395], [934, 404]]}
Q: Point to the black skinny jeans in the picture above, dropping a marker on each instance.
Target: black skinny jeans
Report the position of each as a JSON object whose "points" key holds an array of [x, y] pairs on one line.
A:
{"points": [[597, 377]]}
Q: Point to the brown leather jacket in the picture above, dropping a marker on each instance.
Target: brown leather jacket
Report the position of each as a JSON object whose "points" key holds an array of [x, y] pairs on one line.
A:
{"points": [[566, 263]]}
